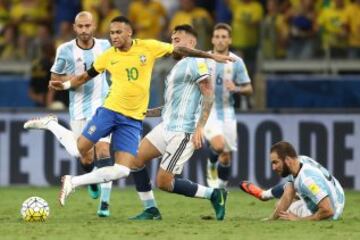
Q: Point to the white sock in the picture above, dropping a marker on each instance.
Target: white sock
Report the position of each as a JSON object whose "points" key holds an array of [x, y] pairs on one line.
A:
{"points": [[222, 183], [203, 192], [65, 137], [267, 194], [148, 199], [101, 175]]}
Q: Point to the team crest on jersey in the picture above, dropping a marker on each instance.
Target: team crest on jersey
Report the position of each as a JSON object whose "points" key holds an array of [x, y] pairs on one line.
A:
{"points": [[79, 59], [91, 130], [143, 59]]}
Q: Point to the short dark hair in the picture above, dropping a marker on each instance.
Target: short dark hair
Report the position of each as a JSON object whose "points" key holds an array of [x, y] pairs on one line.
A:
{"points": [[122, 19], [224, 26], [186, 28], [284, 149]]}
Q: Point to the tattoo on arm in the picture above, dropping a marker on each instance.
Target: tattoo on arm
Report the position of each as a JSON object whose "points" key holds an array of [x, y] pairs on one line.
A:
{"points": [[207, 101], [188, 52]]}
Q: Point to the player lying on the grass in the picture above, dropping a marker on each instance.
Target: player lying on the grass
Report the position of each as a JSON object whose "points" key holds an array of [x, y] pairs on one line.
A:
{"points": [[220, 130], [321, 195], [124, 107], [188, 100]]}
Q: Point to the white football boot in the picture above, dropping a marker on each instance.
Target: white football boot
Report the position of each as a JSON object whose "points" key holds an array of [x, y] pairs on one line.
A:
{"points": [[40, 122], [66, 189]]}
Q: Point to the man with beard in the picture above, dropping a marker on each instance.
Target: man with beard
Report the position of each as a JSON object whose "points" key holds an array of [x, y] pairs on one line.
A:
{"points": [[321, 195], [76, 57]]}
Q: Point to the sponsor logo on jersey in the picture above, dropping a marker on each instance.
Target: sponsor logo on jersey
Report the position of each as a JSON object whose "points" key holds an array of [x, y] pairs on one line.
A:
{"points": [[143, 59]]}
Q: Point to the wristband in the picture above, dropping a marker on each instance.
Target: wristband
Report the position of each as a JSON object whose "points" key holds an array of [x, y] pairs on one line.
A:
{"points": [[66, 85]]}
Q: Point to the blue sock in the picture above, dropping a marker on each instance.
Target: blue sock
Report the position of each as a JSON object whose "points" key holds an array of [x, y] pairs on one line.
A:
{"points": [[278, 190], [224, 171], [104, 162], [212, 155], [143, 187], [87, 167], [185, 187]]}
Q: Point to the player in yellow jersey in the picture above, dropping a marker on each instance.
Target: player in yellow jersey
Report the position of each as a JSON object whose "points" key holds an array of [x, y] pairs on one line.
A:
{"points": [[130, 64]]}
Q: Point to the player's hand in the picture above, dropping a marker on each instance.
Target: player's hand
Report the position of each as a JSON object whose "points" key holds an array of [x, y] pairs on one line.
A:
{"points": [[222, 58], [289, 216], [56, 85], [197, 138], [230, 85]]}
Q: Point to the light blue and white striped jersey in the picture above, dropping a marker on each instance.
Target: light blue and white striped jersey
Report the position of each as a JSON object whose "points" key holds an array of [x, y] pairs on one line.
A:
{"points": [[72, 60], [182, 95], [313, 183], [223, 107]]}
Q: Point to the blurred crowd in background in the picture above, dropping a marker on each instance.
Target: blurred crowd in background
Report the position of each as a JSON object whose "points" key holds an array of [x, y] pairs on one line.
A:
{"points": [[271, 29]]}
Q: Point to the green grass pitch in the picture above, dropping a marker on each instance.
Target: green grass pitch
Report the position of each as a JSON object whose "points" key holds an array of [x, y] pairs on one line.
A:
{"points": [[181, 218]]}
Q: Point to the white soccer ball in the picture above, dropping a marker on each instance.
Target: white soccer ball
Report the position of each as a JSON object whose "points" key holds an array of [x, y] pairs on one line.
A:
{"points": [[35, 209]]}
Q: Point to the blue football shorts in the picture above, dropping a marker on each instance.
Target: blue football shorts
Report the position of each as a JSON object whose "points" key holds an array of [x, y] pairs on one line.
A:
{"points": [[126, 132]]}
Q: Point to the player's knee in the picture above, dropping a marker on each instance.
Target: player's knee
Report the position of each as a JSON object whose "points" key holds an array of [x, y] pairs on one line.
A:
{"points": [[102, 153], [225, 158], [82, 150], [86, 159], [218, 146], [164, 183]]}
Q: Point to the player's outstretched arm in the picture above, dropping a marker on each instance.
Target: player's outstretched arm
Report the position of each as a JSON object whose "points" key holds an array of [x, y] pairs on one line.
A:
{"points": [[74, 82], [59, 84], [285, 201], [189, 52], [207, 92], [154, 112]]}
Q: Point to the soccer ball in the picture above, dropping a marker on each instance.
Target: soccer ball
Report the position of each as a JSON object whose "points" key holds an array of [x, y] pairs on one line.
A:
{"points": [[35, 209]]}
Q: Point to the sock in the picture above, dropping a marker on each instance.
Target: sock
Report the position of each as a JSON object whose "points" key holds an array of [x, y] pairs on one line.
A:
{"points": [[143, 187], [224, 171], [203, 192], [87, 167], [278, 190], [212, 155], [267, 194], [65, 137], [101, 175], [105, 187], [185, 187], [105, 192]]}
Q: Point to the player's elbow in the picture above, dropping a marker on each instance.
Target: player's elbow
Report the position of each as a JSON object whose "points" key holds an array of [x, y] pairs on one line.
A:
{"points": [[325, 213], [328, 213], [248, 90]]}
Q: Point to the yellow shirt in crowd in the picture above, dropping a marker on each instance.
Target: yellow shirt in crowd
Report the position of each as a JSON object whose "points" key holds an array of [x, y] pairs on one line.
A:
{"points": [[148, 19], [131, 75], [332, 22], [353, 21], [245, 23], [28, 16], [182, 17]]}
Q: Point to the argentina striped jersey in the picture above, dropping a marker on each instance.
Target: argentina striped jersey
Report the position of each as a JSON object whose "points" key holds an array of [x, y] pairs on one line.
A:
{"points": [[72, 60], [223, 107], [182, 95], [314, 183]]}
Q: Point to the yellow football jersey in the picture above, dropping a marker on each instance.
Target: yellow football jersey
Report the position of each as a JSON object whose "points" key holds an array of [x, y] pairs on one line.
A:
{"points": [[131, 75]]}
